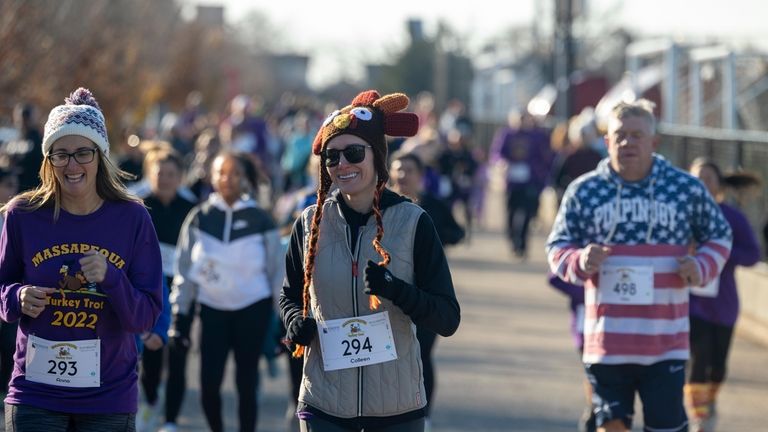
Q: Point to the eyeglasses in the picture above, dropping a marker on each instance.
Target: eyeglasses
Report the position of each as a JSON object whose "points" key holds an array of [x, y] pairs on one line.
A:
{"points": [[354, 153], [82, 156]]}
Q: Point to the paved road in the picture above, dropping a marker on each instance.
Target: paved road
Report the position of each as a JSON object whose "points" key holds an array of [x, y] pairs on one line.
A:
{"points": [[511, 366]]}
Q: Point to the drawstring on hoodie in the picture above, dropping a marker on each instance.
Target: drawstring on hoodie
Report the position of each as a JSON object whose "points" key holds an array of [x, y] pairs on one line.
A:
{"points": [[651, 213], [617, 212]]}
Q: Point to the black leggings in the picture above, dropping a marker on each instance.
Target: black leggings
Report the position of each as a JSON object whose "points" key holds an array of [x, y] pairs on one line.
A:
{"points": [[522, 206], [242, 331], [317, 424], [710, 344], [427, 340], [152, 367], [151, 373], [176, 384]]}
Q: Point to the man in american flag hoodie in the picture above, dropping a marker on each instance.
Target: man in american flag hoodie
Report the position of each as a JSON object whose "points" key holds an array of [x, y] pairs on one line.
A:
{"points": [[637, 233]]}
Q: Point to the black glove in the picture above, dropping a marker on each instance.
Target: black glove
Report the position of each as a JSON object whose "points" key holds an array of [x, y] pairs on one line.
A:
{"points": [[178, 335], [302, 331], [380, 282]]}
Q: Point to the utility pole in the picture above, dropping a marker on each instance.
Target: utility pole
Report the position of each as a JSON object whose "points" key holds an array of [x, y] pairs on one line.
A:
{"points": [[440, 71], [564, 57]]}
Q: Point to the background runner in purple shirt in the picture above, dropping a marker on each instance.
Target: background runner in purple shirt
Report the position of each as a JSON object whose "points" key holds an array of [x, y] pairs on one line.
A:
{"points": [[713, 318]]}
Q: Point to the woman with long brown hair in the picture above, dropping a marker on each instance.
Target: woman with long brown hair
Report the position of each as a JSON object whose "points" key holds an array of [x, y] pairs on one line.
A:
{"points": [[80, 270], [364, 266]]}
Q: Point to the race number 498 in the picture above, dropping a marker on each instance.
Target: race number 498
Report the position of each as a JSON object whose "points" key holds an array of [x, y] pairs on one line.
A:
{"points": [[625, 284], [623, 288]]}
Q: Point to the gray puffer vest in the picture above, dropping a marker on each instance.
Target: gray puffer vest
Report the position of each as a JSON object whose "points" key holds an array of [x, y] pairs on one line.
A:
{"points": [[384, 389]]}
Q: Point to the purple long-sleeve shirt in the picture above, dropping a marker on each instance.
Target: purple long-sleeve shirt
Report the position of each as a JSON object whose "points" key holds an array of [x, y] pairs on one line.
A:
{"points": [[724, 309], [35, 250], [576, 296], [527, 147]]}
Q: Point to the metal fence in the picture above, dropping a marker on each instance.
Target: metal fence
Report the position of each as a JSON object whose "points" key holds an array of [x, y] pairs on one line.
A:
{"points": [[732, 150]]}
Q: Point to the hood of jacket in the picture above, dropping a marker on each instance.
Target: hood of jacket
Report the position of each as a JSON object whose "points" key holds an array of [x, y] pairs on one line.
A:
{"points": [[659, 169], [245, 201]]}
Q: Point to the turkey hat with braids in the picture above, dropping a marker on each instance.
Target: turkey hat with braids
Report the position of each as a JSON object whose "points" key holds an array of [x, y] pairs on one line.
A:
{"points": [[370, 116]]}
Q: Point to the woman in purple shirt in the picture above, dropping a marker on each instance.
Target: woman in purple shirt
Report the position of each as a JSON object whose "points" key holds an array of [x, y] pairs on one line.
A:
{"points": [[80, 270], [713, 311]]}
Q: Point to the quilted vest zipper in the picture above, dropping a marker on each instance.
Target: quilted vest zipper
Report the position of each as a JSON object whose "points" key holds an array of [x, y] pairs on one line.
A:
{"points": [[355, 256]]}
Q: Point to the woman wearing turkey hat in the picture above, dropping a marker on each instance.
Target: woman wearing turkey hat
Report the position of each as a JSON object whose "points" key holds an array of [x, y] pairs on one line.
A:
{"points": [[364, 266]]}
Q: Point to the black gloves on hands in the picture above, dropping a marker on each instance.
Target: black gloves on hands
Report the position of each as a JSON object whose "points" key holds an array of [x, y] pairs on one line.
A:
{"points": [[380, 282], [302, 331]]}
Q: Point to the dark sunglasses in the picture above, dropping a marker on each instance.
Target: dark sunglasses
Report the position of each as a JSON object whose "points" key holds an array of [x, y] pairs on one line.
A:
{"points": [[354, 153]]}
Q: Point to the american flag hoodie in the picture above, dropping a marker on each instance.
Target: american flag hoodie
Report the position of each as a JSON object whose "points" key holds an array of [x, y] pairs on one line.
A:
{"points": [[650, 222]]}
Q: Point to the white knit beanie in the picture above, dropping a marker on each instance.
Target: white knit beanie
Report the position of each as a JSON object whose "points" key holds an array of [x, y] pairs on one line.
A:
{"points": [[80, 115]]}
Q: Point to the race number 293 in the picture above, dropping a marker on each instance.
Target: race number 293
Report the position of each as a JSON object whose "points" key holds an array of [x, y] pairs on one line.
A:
{"points": [[64, 363]]}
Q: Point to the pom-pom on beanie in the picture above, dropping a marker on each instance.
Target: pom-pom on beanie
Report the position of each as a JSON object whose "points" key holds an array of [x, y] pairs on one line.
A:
{"points": [[80, 115]]}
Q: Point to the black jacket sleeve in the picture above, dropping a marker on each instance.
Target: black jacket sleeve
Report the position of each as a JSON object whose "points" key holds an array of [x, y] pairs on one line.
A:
{"points": [[432, 303], [447, 228], [291, 300]]}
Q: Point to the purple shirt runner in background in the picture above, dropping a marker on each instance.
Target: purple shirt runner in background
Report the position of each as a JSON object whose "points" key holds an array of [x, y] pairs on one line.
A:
{"points": [[576, 295], [724, 309], [528, 148]]}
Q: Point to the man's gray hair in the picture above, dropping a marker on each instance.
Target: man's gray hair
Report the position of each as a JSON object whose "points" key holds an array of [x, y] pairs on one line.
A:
{"points": [[638, 108]]}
